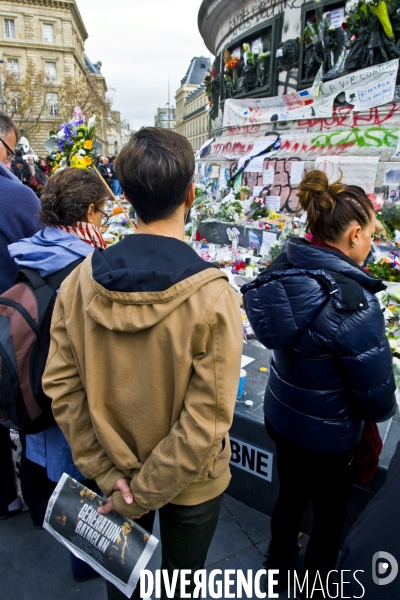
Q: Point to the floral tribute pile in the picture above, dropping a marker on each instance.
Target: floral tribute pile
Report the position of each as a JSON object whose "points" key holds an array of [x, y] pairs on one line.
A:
{"points": [[75, 143]]}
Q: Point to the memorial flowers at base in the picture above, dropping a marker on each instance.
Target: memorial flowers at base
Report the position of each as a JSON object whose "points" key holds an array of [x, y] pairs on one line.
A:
{"points": [[230, 210], [75, 143]]}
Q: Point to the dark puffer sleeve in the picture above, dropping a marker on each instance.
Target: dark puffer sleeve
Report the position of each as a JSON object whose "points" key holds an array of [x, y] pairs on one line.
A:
{"points": [[261, 304], [366, 359]]}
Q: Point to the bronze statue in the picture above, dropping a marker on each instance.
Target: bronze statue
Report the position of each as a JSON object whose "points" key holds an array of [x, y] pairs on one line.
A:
{"points": [[376, 47], [308, 51], [316, 60], [357, 57], [330, 44]]}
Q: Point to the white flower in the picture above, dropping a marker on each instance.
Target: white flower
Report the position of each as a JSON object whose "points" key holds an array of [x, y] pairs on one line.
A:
{"points": [[352, 6], [92, 121]]}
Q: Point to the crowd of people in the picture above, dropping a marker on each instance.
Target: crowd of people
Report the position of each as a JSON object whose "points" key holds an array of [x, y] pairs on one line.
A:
{"points": [[31, 171], [152, 433]]}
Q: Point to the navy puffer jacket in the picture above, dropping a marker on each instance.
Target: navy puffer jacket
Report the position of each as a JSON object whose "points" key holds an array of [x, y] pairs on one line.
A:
{"points": [[331, 363]]}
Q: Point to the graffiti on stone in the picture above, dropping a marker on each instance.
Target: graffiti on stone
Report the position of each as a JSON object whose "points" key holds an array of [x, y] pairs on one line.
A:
{"points": [[258, 10], [281, 186]]}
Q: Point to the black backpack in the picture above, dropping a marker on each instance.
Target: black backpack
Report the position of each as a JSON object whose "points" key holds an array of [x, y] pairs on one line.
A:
{"points": [[25, 316]]}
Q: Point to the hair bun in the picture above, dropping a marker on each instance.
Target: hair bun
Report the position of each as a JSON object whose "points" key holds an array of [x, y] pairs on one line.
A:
{"points": [[49, 198], [315, 189]]}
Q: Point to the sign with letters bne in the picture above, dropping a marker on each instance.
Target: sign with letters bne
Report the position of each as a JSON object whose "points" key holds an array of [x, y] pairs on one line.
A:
{"points": [[254, 460]]}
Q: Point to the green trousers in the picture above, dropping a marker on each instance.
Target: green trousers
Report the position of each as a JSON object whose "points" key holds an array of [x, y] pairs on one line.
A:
{"points": [[186, 533]]}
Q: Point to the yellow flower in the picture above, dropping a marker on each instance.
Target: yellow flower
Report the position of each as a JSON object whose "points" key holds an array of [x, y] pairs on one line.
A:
{"points": [[87, 160], [88, 145]]}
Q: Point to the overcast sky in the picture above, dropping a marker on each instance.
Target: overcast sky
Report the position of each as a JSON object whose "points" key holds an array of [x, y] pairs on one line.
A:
{"points": [[139, 43]]}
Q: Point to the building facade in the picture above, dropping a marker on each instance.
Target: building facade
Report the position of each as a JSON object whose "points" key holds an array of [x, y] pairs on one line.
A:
{"points": [[194, 77], [46, 37], [126, 131], [196, 117], [165, 118]]}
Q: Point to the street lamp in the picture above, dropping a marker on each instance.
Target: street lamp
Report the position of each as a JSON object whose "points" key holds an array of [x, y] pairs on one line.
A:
{"points": [[2, 101]]}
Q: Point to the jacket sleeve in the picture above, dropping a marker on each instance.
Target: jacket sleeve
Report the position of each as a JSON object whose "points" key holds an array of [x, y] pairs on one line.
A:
{"points": [[366, 359], [206, 418], [63, 384]]}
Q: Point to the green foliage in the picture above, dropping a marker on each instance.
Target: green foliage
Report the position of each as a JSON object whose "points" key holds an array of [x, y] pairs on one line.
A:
{"points": [[384, 270], [389, 215], [251, 59]]}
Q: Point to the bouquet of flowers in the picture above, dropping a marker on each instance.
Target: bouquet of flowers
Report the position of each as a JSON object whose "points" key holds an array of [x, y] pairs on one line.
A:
{"points": [[75, 143], [230, 210], [202, 208], [259, 208], [232, 64], [352, 6]]}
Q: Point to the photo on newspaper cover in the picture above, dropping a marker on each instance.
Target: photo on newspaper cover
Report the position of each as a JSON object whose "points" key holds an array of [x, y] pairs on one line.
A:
{"points": [[115, 546]]}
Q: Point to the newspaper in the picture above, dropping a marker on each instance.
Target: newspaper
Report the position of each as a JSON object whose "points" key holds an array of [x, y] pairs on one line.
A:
{"points": [[115, 546]]}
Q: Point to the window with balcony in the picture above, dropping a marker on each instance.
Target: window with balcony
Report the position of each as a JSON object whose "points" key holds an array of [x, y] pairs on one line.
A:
{"points": [[10, 28], [48, 35], [13, 66], [50, 71], [52, 103]]}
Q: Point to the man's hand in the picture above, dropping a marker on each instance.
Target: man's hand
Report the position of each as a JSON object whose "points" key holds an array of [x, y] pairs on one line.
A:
{"points": [[121, 485]]}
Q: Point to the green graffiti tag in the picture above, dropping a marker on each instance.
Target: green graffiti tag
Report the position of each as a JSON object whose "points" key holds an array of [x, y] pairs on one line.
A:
{"points": [[377, 137]]}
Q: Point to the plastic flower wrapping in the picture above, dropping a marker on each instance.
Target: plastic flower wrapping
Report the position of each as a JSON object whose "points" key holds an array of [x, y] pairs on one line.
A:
{"points": [[75, 143]]}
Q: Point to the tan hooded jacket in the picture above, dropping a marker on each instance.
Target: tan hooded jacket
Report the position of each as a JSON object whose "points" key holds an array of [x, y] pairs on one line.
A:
{"points": [[144, 383]]}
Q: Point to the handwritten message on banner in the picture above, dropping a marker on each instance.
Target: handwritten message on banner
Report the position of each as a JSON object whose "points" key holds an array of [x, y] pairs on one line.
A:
{"points": [[366, 88], [363, 89]]}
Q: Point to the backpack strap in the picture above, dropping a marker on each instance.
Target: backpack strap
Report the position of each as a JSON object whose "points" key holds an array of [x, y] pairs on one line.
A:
{"points": [[56, 279], [45, 287]]}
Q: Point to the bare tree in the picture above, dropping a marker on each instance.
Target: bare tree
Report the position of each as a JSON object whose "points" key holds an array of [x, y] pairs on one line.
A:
{"points": [[27, 97], [90, 95]]}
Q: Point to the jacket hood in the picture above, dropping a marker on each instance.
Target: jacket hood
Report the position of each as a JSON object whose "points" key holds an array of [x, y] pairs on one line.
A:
{"points": [[141, 280], [49, 250], [294, 289]]}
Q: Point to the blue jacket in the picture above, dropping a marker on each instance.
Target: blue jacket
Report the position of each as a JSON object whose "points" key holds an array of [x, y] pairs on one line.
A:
{"points": [[19, 217], [331, 363], [50, 251]]}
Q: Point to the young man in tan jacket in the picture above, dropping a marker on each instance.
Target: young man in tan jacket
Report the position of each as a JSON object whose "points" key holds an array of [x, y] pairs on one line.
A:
{"points": [[144, 361]]}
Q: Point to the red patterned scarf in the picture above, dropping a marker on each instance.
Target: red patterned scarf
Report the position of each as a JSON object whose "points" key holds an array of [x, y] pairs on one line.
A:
{"points": [[321, 244], [86, 232]]}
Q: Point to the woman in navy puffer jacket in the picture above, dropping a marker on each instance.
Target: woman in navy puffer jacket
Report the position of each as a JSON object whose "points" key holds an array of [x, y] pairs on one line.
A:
{"points": [[331, 367]]}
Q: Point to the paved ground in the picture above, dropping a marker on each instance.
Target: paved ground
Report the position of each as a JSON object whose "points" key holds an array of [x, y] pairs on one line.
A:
{"points": [[34, 566]]}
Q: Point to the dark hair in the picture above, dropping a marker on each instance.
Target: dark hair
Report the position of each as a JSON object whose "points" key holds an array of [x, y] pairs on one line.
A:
{"points": [[331, 208], [155, 170], [7, 125], [67, 195]]}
